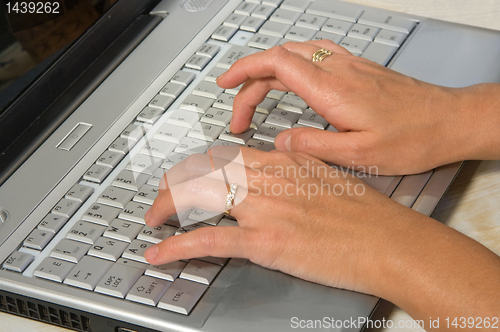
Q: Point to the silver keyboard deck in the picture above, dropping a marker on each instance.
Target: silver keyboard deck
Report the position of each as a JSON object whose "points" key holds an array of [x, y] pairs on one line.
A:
{"points": [[95, 237]]}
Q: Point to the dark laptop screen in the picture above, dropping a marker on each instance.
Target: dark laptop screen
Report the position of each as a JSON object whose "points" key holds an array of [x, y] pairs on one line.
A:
{"points": [[33, 34]]}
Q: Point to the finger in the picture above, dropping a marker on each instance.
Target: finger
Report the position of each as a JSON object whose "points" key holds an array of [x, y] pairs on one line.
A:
{"points": [[250, 95], [206, 241], [307, 49], [203, 193], [338, 148], [289, 68]]}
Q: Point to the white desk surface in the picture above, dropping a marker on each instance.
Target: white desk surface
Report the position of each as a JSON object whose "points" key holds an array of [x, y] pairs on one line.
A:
{"points": [[471, 205]]}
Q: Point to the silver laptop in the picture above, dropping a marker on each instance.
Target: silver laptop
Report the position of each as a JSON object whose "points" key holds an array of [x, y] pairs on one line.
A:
{"points": [[85, 141]]}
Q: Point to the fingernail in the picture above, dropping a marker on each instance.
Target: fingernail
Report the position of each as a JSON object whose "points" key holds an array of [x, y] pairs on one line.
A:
{"points": [[220, 76], [151, 253], [288, 142], [147, 216]]}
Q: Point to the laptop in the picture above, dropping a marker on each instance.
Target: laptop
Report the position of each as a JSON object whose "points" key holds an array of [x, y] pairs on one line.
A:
{"points": [[88, 129]]}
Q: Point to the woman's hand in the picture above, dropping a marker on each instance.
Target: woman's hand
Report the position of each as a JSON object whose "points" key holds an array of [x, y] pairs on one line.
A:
{"points": [[295, 214], [301, 217], [384, 119]]}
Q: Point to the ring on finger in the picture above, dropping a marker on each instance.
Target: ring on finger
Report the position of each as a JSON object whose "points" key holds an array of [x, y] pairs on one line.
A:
{"points": [[230, 198], [321, 55]]}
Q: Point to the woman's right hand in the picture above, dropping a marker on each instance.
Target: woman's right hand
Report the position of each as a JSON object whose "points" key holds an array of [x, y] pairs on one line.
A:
{"points": [[385, 119]]}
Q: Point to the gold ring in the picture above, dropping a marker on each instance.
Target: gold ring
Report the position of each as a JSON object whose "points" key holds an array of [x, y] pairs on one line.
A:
{"points": [[321, 55], [230, 198]]}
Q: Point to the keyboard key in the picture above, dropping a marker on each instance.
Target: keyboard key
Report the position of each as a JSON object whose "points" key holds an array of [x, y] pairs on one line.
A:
{"points": [[109, 249], [234, 20], [197, 62], [150, 115], [300, 34], [133, 131], [110, 159], [153, 148], [213, 74], [191, 226], [260, 145], [156, 234], [267, 132], [380, 53], [266, 106], [162, 101], [52, 223], [328, 35], [123, 230], [86, 232], [410, 186], [101, 214], [196, 104], [69, 250], [263, 41], [53, 269], [171, 133], [172, 89], [285, 16], [169, 271], [120, 278], [183, 77], [122, 145], [97, 173], [172, 159], [389, 37], [363, 32], [182, 296], [79, 193], [354, 45], [208, 49], [252, 24], [206, 132], [276, 94], [242, 138], [337, 26], [38, 239], [312, 119], [66, 207], [257, 120], [146, 194], [263, 11], [274, 3], [115, 197], [233, 54], [190, 146], [221, 261], [274, 29], [148, 290], [388, 21], [208, 90], [245, 8], [136, 249], [87, 273], [208, 217], [296, 5], [224, 33], [341, 11], [135, 212], [155, 179], [217, 117], [226, 222], [130, 180], [282, 118], [184, 118], [292, 103], [200, 271], [224, 101], [18, 261], [311, 21]]}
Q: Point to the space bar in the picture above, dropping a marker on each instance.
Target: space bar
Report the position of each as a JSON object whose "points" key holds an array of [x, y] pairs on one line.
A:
{"points": [[410, 187]]}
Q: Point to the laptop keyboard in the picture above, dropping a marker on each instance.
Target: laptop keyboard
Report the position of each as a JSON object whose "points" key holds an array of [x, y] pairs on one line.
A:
{"points": [[94, 238]]}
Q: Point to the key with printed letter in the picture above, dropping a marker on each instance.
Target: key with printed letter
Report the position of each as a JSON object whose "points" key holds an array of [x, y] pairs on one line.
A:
{"points": [[87, 272], [148, 290], [120, 278], [182, 296]]}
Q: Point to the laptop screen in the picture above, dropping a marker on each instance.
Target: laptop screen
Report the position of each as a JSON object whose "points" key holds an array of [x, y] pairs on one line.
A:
{"points": [[34, 34]]}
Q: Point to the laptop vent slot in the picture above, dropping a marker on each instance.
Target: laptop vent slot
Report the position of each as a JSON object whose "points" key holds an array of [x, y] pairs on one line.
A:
{"points": [[48, 314]]}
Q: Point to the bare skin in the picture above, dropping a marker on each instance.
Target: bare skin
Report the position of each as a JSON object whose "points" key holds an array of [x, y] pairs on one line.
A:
{"points": [[383, 248]]}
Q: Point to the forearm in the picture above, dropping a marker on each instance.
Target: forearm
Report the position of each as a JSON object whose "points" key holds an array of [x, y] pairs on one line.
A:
{"points": [[436, 272]]}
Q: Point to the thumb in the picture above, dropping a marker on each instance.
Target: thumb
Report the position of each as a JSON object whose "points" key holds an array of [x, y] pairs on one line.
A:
{"points": [[333, 147]]}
